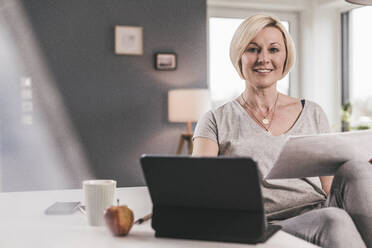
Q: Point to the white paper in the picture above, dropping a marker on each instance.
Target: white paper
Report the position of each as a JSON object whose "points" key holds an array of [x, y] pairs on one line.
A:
{"points": [[320, 155]]}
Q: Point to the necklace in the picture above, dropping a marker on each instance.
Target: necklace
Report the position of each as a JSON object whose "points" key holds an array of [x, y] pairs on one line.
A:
{"points": [[265, 120]]}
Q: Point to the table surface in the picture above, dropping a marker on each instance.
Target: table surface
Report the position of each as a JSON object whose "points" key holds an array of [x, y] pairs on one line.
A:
{"points": [[24, 224]]}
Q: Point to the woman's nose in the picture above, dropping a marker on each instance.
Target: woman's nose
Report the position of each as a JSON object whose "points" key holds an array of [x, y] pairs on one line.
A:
{"points": [[263, 57]]}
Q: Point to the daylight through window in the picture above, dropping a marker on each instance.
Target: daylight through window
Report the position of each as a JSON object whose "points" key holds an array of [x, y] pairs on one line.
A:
{"points": [[360, 89]]}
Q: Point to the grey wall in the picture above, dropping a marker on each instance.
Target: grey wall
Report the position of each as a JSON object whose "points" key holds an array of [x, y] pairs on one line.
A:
{"points": [[32, 154], [118, 104]]}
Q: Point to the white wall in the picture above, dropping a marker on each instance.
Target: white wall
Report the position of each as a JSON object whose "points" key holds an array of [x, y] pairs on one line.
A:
{"points": [[318, 47], [320, 62]]}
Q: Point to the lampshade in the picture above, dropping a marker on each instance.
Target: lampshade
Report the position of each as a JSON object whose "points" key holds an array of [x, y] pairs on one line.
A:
{"points": [[361, 2], [187, 105]]}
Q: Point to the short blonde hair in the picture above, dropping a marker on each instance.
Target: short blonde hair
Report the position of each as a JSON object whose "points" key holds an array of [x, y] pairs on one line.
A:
{"points": [[248, 30]]}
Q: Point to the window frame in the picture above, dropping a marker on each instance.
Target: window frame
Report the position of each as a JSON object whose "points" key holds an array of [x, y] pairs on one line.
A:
{"points": [[347, 65], [345, 62]]}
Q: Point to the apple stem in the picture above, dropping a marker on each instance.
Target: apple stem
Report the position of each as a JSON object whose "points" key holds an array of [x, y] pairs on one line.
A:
{"points": [[117, 201]]}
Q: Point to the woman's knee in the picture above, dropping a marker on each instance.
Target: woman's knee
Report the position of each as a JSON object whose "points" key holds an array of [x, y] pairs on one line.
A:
{"points": [[338, 229], [326, 227], [334, 218], [354, 169]]}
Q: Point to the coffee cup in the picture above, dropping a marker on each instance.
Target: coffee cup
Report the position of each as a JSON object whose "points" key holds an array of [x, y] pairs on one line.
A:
{"points": [[98, 195]]}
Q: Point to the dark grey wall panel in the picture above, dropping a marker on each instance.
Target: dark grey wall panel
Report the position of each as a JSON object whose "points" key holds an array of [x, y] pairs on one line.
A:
{"points": [[118, 104], [38, 149]]}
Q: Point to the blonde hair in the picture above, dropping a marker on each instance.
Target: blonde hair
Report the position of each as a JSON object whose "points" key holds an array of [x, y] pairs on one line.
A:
{"points": [[248, 30]]}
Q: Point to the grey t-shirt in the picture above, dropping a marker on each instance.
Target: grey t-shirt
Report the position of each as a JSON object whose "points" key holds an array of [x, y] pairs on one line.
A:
{"points": [[237, 134]]}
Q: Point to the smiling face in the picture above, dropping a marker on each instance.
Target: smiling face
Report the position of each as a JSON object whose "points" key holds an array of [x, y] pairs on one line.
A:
{"points": [[264, 58]]}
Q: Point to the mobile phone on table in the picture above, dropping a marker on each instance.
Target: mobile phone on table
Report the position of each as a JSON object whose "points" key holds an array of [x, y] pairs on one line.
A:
{"points": [[59, 208]]}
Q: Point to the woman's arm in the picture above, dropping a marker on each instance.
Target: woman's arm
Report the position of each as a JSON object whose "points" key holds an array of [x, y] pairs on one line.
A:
{"points": [[326, 183], [204, 147], [323, 126]]}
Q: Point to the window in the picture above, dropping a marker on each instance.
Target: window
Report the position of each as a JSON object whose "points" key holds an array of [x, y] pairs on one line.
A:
{"points": [[360, 77], [224, 82]]}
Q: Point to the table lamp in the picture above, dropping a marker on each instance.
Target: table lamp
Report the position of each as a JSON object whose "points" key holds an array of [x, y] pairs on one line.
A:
{"points": [[187, 105]]}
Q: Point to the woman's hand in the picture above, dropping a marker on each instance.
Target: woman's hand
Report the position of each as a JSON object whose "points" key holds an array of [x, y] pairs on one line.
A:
{"points": [[326, 183], [205, 147]]}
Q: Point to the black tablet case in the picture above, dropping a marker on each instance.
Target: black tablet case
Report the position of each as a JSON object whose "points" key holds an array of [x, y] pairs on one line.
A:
{"points": [[215, 198]]}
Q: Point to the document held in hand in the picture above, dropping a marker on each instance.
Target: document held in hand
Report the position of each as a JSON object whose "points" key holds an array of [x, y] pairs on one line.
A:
{"points": [[321, 154]]}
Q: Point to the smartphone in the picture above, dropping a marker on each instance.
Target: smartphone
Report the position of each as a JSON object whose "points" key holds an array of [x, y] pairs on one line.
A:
{"points": [[59, 208]]}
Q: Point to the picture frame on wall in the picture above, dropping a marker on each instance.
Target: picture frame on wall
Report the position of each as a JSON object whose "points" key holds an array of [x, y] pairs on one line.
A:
{"points": [[128, 40], [165, 61]]}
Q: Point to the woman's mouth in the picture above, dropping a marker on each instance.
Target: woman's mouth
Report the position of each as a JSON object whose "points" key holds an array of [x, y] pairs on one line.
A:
{"points": [[263, 70]]}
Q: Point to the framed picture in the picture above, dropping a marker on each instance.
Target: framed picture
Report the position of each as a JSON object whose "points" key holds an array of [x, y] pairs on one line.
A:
{"points": [[165, 61], [128, 40]]}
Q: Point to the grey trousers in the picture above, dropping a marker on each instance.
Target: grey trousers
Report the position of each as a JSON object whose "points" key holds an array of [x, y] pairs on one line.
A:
{"points": [[346, 219]]}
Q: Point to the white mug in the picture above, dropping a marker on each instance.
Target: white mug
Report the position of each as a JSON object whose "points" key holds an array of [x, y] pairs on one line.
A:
{"points": [[98, 195]]}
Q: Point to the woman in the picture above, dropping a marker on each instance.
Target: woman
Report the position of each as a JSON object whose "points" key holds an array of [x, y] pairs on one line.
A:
{"points": [[257, 123]]}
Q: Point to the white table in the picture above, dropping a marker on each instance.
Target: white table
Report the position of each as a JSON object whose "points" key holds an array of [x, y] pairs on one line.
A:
{"points": [[24, 224]]}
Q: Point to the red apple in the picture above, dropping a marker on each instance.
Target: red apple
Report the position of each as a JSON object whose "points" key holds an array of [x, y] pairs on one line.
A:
{"points": [[119, 219], [370, 161]]}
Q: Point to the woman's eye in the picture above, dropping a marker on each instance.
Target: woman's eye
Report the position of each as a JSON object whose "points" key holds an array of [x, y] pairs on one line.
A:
{"points": [[274, 50], [252, 49]]}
